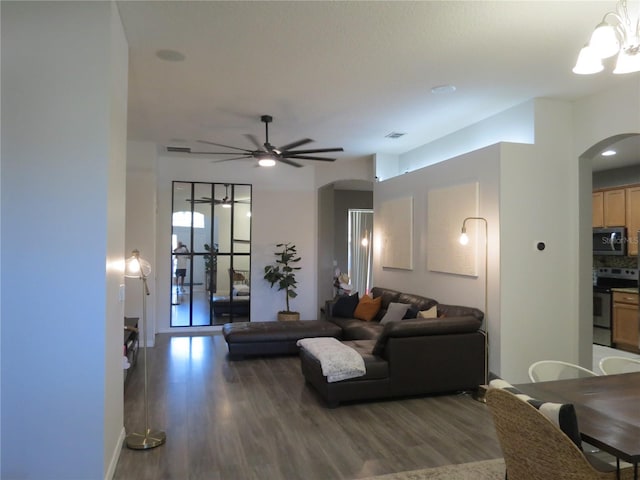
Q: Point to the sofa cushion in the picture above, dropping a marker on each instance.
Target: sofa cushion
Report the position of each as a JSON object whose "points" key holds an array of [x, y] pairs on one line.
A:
{"points": [[395, 312], [345, 306], [367, 308], [376, 367], [388, 295], [459, 311], [425, 326], [417, 301], [354, 329]]}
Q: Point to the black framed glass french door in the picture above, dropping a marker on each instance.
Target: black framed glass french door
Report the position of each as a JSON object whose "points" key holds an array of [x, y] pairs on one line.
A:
{"points": [[210, 253]]}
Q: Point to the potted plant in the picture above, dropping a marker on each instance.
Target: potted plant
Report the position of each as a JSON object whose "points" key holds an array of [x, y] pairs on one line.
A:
{"points": [[210, 266], [283, 273]]}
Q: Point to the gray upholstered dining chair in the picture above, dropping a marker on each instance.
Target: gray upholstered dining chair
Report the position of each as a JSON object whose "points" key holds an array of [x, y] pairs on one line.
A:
{"points": [[614, 365], [548, 370], [535, 448]]}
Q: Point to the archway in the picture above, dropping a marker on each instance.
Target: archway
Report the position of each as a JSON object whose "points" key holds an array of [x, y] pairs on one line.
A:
{"points": [[591, 161]]}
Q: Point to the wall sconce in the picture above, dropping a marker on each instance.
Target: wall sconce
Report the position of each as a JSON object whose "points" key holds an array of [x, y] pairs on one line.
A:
{"points": [[464, 240]]}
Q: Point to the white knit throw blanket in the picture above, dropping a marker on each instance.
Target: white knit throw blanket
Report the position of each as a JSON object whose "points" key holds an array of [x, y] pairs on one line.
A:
{"points": [[338, 361]]}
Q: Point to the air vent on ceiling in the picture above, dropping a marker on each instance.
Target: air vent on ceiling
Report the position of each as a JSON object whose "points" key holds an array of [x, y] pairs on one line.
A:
{"points": [[395, 135], [179, 149]]}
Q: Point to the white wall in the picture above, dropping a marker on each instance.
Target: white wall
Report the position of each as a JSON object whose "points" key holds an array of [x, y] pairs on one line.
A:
{"points": [[64, 120], [141, 227], [513, 125], [482, 166]]}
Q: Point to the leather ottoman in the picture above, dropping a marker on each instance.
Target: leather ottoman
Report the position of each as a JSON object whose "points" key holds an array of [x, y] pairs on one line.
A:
{"points": [[274, 338]]}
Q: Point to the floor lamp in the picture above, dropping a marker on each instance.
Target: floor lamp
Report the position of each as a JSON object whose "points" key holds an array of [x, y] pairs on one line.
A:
{"points": [[464, 240], [136, 267]]}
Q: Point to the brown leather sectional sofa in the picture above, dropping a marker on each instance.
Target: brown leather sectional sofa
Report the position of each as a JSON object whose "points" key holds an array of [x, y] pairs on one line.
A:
{"points": [[414, 356]]}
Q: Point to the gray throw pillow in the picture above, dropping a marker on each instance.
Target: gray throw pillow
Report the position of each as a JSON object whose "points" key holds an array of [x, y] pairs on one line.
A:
{"points": [[395, 312]]}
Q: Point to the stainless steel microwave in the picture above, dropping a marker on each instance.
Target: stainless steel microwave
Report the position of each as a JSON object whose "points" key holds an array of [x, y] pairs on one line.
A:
{"points": [[610, 241]]}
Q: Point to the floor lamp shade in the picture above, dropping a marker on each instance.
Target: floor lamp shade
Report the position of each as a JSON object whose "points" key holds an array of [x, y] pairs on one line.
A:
{"points": [[137, 267]]}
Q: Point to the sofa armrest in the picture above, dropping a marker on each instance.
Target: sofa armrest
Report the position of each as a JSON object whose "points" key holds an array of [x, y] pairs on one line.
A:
{"points": [[436, 363], [420, 327]]}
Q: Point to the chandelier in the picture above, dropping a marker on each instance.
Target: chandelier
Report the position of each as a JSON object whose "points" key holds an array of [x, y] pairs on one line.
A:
{"points": [[615, 34]]}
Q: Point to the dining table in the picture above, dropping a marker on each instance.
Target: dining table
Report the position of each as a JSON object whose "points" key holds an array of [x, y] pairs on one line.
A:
{"points": [[607, 407]]}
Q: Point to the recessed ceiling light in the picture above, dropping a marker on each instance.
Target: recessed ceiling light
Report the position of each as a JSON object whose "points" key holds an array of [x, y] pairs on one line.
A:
{"points": [[608, 153], [170, 55], [439, 89]]}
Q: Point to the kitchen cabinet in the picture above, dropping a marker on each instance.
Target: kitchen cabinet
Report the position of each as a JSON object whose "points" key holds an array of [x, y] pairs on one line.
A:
{"points": [[633, 218], [615, 207], [626, 330], [609, 208], [598, 209]]}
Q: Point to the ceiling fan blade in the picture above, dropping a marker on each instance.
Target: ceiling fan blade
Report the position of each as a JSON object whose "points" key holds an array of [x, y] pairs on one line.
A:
{"points": [[253, 139], [225, 146], [232, 158], [289, 146], [308, 157], [316, 150], [289, 162]]}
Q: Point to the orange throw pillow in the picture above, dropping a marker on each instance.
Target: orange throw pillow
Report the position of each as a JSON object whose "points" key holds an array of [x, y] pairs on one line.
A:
{"points": [[367, 308]]}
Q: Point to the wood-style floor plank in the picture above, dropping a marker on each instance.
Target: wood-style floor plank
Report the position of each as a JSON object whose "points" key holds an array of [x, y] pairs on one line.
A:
{"points": [[257, 419]]}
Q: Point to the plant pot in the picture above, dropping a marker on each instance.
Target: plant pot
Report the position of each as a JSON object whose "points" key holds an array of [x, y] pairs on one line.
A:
{"points": [[288, 316]]}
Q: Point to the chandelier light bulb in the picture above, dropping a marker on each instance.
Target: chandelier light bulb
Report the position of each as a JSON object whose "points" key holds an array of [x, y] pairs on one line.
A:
{"points": [[627, 63], [604, 41]]}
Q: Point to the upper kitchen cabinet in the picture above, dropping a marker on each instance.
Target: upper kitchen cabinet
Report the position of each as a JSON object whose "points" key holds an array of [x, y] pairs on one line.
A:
{"points": [[598, 209], [633, 218], [609, 208]]}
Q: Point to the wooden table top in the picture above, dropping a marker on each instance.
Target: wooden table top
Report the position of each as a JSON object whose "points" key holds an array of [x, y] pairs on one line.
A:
{"points": [[608, 409]]}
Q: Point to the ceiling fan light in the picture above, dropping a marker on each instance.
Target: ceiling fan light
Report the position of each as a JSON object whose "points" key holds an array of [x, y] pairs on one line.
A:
{"points": [[604, 40], [588, 62], [266, 162], [226, 205], [627, 62]]}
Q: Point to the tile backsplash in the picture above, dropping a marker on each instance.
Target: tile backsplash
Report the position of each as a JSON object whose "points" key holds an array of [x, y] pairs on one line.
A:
{"points": [[614, 261]]}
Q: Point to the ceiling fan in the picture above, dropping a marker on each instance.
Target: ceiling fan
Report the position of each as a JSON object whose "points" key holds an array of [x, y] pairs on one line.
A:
{"points": [[266, 154], [225, 201]]}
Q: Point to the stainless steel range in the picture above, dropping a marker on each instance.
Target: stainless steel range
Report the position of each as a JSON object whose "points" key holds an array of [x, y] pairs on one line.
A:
{"points": [[608, 278]]}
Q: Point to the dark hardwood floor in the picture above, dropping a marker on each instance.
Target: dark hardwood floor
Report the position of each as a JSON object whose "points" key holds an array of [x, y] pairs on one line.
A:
{"points": [[256, 419]]}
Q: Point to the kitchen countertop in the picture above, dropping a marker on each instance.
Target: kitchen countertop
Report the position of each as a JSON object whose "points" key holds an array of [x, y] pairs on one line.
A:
{"points": [[625, 290]]}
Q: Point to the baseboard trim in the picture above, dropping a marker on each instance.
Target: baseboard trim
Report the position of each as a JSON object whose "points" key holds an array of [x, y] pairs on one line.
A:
{"points": [[111, 471]]}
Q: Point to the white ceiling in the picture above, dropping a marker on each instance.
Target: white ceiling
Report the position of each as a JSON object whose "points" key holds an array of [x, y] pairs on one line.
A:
{"points": [[348, 73]]}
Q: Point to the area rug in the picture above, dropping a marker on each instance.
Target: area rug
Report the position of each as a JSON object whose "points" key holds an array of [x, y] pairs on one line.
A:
{"points": [[484, 470]]}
